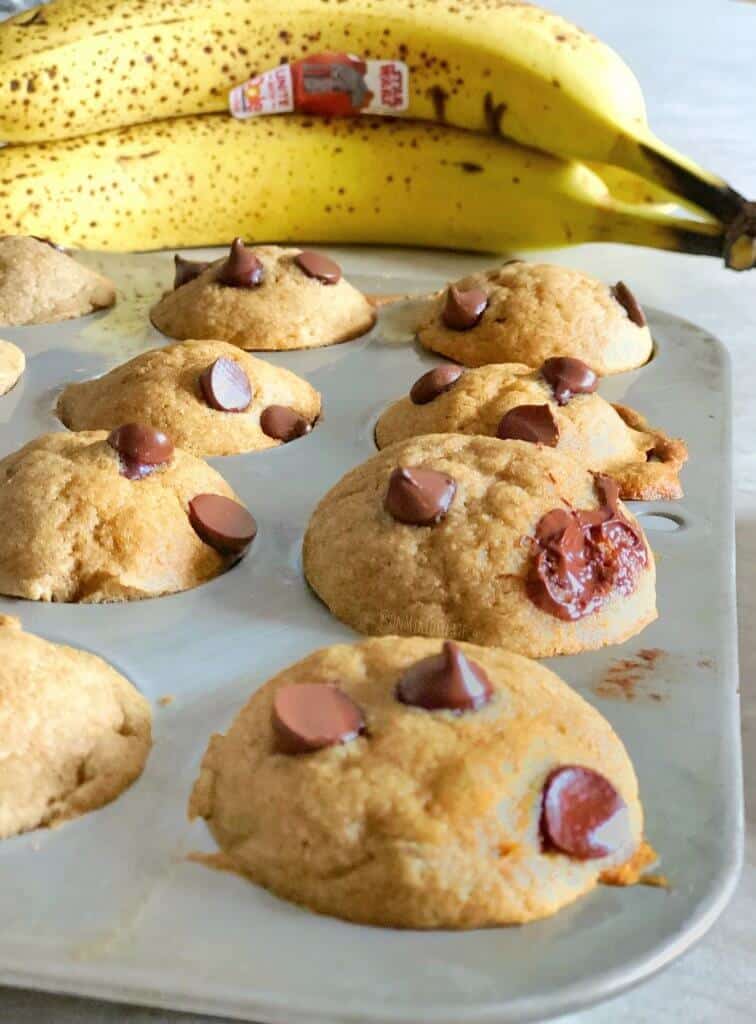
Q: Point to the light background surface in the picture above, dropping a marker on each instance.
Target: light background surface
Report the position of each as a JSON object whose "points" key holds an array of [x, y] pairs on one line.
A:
{"points": [[694, 59]]}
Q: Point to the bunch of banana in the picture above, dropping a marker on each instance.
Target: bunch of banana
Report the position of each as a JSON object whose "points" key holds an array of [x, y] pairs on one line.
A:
{"points": [[521, 76]]}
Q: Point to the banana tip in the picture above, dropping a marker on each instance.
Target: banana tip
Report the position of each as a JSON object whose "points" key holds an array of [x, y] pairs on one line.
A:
{"points": [[740, 239]]}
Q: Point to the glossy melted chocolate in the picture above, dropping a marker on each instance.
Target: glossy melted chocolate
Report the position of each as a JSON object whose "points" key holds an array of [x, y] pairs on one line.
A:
{"points": [[582, 557]]}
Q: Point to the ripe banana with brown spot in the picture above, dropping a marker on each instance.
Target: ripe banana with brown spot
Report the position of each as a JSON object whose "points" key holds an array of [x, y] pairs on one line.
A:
{"points": [[78, 66], [203, 180]]}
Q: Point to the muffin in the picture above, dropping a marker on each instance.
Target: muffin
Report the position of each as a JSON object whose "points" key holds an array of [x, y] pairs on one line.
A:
{"points": [[555, 406], [209, 397], [530, 312], [74, 733], [93, 517], [266, 297], [501, 543], [411, 783]]}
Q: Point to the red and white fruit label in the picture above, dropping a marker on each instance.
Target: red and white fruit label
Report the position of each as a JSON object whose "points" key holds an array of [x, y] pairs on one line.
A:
{"points": [[330, 84]]}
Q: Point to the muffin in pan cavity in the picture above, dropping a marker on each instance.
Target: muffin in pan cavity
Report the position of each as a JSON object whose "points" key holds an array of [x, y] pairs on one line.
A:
{"points": [[528, 312], [74, 733], [95, 517], [264, 298], [471, 538], [41, 283], [556, 406], [415, 783], [209, 397]]}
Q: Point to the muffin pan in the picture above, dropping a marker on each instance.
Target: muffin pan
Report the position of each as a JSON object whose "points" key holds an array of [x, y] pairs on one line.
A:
{"points": [[111, 905]]}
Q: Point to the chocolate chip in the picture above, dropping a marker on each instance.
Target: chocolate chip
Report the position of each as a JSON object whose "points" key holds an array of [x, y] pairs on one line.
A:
{"points": [[186, 270], [283, 424], [419, 497], [583, 556], [225, 386], [583, 815], [242, 269], [222, 523], [568, 377], [311, 716], [446, 681], [463, 310], [533, 423], [628, 301], [434, 383], [141, 449], [316, 265]]}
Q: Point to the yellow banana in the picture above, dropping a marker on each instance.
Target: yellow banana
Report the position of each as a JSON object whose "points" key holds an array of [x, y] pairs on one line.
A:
{"points": [[78, 66], [202, 180]]}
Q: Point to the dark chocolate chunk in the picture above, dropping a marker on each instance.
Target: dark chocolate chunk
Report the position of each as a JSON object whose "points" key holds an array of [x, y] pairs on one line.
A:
{"points": [[242, 269], [186, 270], [569, 377], [630, 304], [534, 423], [435, 382], [419, 497], [463, 310], [283, 423], [446, 681], [311, 716], [225, 386], [140, 449], [583, 815], [222, 523], [583, 556], [316, 265]]}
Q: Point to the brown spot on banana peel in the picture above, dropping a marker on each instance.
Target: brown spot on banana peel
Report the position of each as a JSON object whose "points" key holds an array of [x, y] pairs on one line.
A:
{"points": [[493, 114], [438, 97]]}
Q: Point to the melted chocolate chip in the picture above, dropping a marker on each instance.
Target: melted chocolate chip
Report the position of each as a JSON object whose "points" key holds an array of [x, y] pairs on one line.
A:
{"points": [[316, 265], [242, 269], [225, 386], [446, 681], [311, 716], [222, 523], [534, 423], [569, 377], [434, 383], [186, 270], [283, 424], [140, 449], [630, 304], [583, 815], [582, 557], [419, 497], [463, 310]]}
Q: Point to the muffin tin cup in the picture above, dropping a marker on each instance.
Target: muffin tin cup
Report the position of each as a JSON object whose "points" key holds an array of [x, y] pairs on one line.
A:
{"points": [[111, 905]]}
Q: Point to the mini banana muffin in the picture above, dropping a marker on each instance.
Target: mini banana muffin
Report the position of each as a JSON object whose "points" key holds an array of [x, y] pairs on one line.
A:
{"points": [[209, 397], [74, 733], [266, 297], [12, 365], [40, 283], [93, 517], [529, 312], [554, 406], [414, 784], [471, 538]]}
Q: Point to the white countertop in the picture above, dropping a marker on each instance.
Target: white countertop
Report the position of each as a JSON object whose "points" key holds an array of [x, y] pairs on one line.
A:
{"points": [[695, 61]]}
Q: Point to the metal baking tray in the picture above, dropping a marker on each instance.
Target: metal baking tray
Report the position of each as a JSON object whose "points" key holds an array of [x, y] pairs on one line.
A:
{"points": [[109, 905]]}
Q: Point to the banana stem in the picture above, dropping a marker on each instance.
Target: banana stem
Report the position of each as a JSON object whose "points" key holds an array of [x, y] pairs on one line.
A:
{"points": [[638, 225], [659, 163]]}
